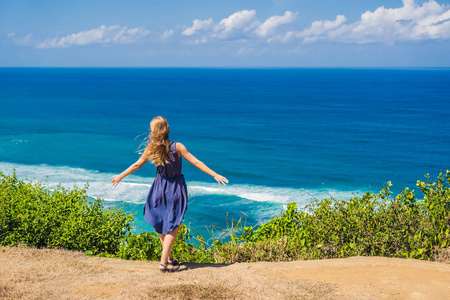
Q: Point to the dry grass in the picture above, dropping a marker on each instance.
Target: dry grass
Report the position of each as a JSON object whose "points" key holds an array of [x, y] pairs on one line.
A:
{"points": [[61, 274], [443, 255], [27, 273], [192, 291]]}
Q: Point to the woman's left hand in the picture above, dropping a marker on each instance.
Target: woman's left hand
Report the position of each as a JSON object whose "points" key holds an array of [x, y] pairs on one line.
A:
{"points": [[116, 179]]}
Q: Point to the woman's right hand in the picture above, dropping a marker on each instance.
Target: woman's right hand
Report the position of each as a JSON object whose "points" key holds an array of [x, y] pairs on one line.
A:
{"points": [[116, 179], [220, 179]]}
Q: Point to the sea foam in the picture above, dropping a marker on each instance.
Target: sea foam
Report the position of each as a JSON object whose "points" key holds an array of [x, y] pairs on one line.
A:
{"points": [[134, 188]]}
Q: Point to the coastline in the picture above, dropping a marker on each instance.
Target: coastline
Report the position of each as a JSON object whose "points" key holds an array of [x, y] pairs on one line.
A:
{"points": [[63, 274], [280, 136]]}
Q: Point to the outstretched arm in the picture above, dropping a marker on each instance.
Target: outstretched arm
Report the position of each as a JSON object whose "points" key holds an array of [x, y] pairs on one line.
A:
{"points": [[131, 169], [181, 149]]}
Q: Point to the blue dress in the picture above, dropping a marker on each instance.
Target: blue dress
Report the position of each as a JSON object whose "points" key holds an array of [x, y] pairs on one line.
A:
{"points": [[167, 199]]}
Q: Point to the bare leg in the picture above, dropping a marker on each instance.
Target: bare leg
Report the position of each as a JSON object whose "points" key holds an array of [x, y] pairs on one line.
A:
{"points": [[161, 238], [168, 241]]}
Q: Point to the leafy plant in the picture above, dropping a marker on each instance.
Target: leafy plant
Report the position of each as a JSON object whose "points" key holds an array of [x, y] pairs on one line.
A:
{"points": [[374, 224], [31, 214]]}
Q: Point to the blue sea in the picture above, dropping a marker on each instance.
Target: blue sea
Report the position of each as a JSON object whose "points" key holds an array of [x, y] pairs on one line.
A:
{"points": [[278, 135]]}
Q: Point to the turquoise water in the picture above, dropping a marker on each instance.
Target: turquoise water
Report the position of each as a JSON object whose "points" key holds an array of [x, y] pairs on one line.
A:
{"points": [[278, 135]]}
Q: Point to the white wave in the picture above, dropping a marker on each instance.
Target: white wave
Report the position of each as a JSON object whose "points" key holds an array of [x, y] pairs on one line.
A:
{"points": [[269, 194], [134, 188]]}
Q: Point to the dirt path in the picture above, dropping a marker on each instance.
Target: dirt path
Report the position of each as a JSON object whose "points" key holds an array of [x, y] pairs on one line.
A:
{"points": [[58, 274]]}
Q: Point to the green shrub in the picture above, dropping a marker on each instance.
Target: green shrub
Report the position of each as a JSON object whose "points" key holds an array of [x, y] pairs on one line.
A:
{"points": [[142, 246], [31, 214], [369, 225], [191, 248]]}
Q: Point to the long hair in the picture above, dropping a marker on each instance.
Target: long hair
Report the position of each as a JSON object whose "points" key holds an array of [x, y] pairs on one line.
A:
{"points": [[157, 149]]}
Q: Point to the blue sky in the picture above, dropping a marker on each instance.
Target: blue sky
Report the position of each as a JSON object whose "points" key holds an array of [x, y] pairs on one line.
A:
{"points": [[206, 33]]}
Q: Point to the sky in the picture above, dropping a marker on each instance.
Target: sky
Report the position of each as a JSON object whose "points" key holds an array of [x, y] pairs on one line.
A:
{"points": [[232, 33]]}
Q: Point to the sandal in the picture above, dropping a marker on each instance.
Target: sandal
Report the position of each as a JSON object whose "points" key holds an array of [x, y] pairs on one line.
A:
{"points": [[173, 261], [168, 268]]}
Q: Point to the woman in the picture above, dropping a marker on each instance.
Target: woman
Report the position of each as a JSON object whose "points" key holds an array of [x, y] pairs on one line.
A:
{"points": [[167, 199]]}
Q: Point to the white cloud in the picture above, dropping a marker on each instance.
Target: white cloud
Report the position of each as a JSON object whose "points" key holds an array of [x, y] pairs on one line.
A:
{"points": [[197, 25], [406, 23], [244, 51], [239, 25], [411, 22], [201, 40], [234, 26], [166, 34], [22, 41], [114, 34], [270, 25], [318, 29]]}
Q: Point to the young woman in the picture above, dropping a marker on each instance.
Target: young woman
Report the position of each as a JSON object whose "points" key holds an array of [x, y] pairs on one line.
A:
{"points": [[167, 199]]}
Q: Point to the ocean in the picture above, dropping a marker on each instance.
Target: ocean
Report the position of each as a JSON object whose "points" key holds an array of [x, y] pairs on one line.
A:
{"points": [[278, 135]]}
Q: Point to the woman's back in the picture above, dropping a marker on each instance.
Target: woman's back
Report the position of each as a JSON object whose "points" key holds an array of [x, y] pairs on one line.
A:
{"points": [[173, 167]]}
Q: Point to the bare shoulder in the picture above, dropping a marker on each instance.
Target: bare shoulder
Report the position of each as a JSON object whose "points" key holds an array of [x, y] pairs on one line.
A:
{"points": [[180, 147], [184, 152]]}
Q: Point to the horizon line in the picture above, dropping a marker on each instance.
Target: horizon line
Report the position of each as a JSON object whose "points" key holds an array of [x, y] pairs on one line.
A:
{"points": [[221, 67]]}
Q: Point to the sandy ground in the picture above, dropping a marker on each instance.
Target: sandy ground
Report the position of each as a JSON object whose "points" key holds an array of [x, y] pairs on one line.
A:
{"points": [[59, 274]]}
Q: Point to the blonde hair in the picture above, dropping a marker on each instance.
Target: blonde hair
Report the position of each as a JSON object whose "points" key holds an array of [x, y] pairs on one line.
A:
{"points": [[157, 149]]}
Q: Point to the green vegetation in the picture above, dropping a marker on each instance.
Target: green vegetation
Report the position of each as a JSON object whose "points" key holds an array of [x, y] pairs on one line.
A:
{"points": [[30, 214], [369, 225]]}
